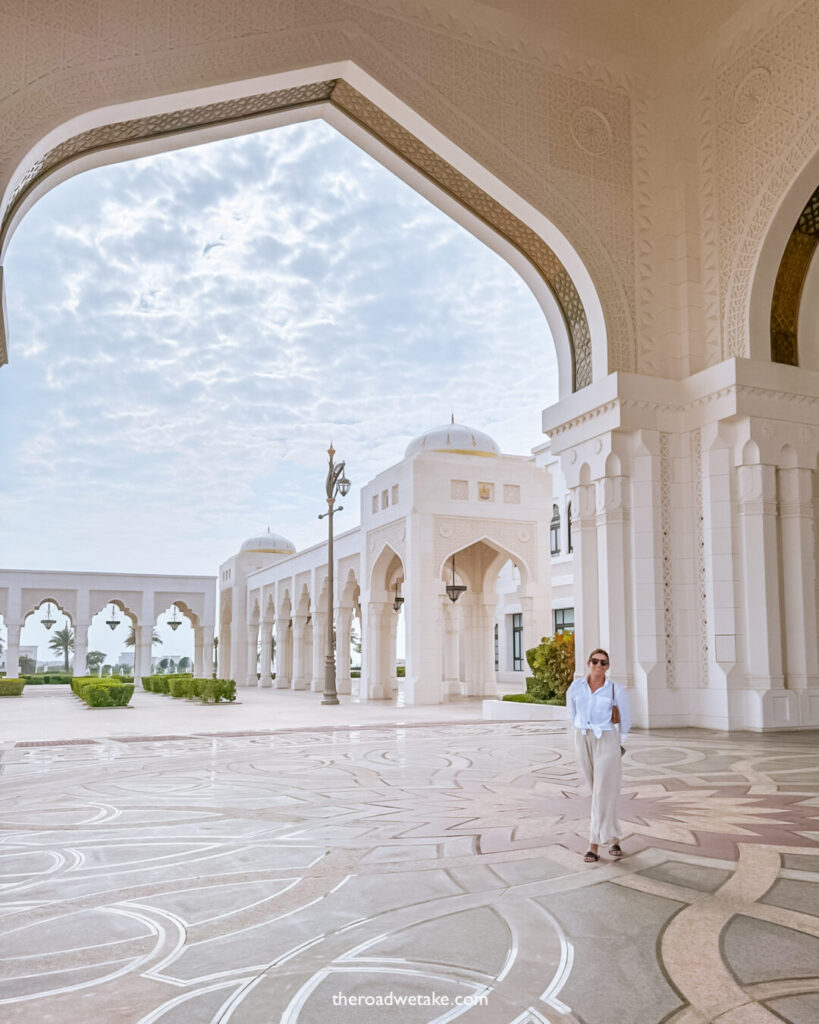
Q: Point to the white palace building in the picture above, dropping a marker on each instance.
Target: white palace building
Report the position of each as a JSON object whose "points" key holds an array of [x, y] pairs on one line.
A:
{"points": [[652, 172]]}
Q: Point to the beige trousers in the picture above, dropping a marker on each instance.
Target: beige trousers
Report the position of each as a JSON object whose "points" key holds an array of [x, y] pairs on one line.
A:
{"points": [[599, 760]]}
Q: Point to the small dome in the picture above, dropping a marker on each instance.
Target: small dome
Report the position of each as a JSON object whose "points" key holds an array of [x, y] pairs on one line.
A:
{"points": [[269, 544], [456, 439]]}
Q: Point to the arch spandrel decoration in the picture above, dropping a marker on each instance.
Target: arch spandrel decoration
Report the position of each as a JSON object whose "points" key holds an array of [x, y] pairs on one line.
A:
{"points": [[790, 279], [384, 128]]}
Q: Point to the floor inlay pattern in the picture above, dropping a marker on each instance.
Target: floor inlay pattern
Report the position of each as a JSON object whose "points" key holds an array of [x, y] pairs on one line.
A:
{"points": [[429, 873]]}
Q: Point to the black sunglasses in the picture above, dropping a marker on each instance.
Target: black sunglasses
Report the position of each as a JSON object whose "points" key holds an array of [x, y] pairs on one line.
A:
{"points": [[598, 661]]}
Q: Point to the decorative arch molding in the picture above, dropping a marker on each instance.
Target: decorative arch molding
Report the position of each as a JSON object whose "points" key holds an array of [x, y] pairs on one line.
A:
{"points": [[790, 192], [565, 310], [512, 539], [790, 282]]}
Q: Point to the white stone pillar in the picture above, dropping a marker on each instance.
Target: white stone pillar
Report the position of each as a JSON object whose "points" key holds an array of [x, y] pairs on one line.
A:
{"points": [[613, 573], [484, 645], [374, 677], [223, 652], [198, 652], [760, 556], [797, 526], [80, 649], [143, 644], [265, 669], [450, 654], [344, 618], [300, 679], [13, 651], [584, 541], [319, 651], [251, 679], [282, 661]]}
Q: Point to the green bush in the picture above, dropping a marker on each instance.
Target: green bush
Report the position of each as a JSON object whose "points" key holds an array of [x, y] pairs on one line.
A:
{"points": [[401, 671], [552, 665], [161, 683], [103, 693], [209, 691], [43, 678], [527, 698], [11, 687]]}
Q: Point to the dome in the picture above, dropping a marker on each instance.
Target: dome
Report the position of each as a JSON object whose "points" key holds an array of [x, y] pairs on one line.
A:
{"points": [[455, 438], [269, 544]]}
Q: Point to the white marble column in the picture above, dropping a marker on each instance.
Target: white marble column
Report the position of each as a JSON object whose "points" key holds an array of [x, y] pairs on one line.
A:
{"points": [[251, 679], [450, 654], [613, 574], [282, 660], [300, 679], [265, 669], [796, 513], [319, 651], [375, 678], [198, 652], [223, 652], [13, 651], [760, 557], [344, 618], [80, 649], [143, 645], [584, 541]]}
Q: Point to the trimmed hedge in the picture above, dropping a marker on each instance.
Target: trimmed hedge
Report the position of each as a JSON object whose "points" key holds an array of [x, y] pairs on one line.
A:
{"points": [[162, 683], [209, 691], [102, 693], [527, 698], [48, 678], [12, 687]]}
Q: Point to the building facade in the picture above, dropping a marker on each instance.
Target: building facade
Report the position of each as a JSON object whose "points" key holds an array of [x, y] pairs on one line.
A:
{"points": [[652, 173]]}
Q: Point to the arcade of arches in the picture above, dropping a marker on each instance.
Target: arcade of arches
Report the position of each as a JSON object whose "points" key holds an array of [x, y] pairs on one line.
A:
{"points": [[653, 178]]}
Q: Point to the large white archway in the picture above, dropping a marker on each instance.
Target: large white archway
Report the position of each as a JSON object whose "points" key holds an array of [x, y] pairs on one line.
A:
{"points": [[386, 128]]}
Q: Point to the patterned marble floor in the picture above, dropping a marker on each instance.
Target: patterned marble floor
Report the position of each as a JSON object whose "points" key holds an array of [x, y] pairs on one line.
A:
{"points": [[415, 874]]}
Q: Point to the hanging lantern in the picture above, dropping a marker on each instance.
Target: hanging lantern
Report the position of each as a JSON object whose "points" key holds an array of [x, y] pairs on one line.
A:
{"points": [[453, 589], [175, 622], [398, 599], [113, 622], [48, 621]]}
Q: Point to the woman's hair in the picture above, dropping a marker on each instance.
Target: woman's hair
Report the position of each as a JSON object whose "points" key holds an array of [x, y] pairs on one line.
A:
{"points": [[598, 650]]}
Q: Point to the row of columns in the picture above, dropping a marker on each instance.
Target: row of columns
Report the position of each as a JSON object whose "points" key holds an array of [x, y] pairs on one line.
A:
{"points": [[700, 574], [300, 652], [203, 643]]}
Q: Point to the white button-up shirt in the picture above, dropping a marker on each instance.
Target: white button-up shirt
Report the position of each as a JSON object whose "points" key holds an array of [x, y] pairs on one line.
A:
{"points": [[592, 710]]}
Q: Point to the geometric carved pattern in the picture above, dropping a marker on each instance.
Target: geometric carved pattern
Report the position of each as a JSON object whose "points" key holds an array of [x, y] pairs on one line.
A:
{"points": [[699, 560], [790, 280], [595, 134], [665, 523]]}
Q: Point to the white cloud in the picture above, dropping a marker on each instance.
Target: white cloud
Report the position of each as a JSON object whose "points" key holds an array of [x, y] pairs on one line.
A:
{"points": [[190, 330]]}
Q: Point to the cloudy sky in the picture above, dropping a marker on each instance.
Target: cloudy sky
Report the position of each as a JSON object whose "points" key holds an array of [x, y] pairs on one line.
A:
{"points": [[189, 331]]}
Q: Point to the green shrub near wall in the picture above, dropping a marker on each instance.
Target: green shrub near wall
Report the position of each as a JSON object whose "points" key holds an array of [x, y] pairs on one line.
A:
{"points": [[11, 687], [41, 679]]}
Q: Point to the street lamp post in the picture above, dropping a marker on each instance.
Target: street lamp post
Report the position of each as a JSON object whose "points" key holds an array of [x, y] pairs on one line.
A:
{"points": [[337, 483]]}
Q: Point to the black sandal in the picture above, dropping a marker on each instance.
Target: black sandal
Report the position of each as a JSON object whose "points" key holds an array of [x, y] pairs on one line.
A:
{"points": [[615, 851], [591, 857]]}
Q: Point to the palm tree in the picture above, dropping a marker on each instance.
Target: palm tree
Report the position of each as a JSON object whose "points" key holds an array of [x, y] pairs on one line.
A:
{"points": [[63, 640], [130, 640]]}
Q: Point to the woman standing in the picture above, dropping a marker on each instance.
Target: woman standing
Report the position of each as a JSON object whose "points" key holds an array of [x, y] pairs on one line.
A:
{"points": [[590, 700]]}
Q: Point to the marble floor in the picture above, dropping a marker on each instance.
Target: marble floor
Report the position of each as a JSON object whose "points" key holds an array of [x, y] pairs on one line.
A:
{"points": [[412, 873]]}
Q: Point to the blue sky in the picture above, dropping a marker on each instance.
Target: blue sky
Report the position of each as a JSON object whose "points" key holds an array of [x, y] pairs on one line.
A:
{"points": [[188, 332]]}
